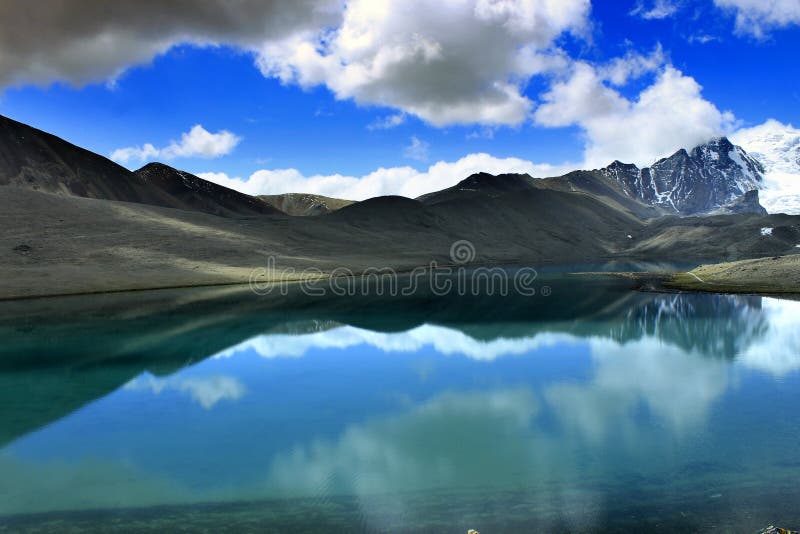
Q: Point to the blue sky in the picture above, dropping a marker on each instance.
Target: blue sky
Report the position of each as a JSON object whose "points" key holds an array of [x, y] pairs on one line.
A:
{"points": [[744, 58]]}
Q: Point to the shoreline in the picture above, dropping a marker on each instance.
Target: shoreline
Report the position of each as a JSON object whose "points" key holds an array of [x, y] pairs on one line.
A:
{"points": [[719, 278], [777, 276]]}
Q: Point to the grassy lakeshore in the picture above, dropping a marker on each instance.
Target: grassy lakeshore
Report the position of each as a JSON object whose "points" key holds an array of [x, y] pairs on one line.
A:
{"points": [[775, 275]]}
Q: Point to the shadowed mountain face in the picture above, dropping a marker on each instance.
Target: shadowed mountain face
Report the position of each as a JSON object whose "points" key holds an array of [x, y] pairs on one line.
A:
{"points": [[36, 160], [191, 192], [32, 159], [479, 185], [747, 203], [711, 176]]}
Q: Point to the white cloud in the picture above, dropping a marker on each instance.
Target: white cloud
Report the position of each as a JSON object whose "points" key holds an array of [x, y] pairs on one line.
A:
{"points": [[431, 59], [387, 122], [633, 65], [703, 38], [668, 114], [135, 153], [196, 143], [426, 59], [417, 149], [658, 9], [199, 142], [206, 391], [759, 17], [404, 181]]}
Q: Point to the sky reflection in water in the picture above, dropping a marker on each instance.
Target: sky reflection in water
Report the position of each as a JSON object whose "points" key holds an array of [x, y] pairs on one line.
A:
{"points": [[573, 416]]}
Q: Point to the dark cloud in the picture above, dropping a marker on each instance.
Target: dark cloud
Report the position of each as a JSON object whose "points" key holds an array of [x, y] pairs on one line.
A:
{"points": [[90, 40]]}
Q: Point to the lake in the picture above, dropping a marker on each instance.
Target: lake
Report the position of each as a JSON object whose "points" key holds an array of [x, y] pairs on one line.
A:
{"points": [[584, 407]]}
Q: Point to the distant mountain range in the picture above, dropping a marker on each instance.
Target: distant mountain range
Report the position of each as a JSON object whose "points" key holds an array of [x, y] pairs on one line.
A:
{"points": [[702, 181], [81, 223]]}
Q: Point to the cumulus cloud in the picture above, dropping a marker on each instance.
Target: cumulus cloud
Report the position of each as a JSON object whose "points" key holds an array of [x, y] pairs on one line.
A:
{"points": [[658, 9], [431, 59], [668, 114], [196, 143], [759, 17], [633, 65], [404, 181], [427, 59], [51, 40]]}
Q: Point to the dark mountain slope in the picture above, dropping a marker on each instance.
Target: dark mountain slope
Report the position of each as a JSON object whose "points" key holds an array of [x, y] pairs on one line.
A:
{"points": [[601, 187], [539, 225], [747, 203], [37, 160], [188, 191], [33, 159], [69, 244], [480, 185]]}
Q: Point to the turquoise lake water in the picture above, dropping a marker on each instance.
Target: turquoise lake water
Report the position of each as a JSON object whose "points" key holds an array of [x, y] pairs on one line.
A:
{"points": [[593, 409]]}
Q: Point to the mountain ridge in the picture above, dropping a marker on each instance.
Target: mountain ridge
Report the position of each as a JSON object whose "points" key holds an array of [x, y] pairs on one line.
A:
{"points": [[712, 175], [33, 159], [193, 192], [704, 180], [80, 243]]}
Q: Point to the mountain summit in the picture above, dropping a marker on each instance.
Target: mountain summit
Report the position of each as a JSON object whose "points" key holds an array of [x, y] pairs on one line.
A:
{"points": [[709, 177]]}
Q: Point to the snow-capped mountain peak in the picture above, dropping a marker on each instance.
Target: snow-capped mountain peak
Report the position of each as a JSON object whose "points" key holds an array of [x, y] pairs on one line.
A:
{"points": [[777, 147], [705, 179]]}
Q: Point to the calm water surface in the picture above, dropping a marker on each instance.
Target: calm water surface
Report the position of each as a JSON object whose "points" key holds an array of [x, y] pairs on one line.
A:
{"points": [[593, 409]]}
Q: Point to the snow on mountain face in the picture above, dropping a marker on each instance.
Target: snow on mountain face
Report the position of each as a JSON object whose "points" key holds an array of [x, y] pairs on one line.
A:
{"points": [[777, 147], [709, 177]]}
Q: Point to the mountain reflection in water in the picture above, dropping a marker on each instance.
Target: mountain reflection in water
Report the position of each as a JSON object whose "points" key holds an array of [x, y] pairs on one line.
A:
{"points": [[594, 408]]}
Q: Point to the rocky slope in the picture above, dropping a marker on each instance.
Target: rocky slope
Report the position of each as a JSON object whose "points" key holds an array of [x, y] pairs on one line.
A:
{"points": [[690, 183], [747, 203]]}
